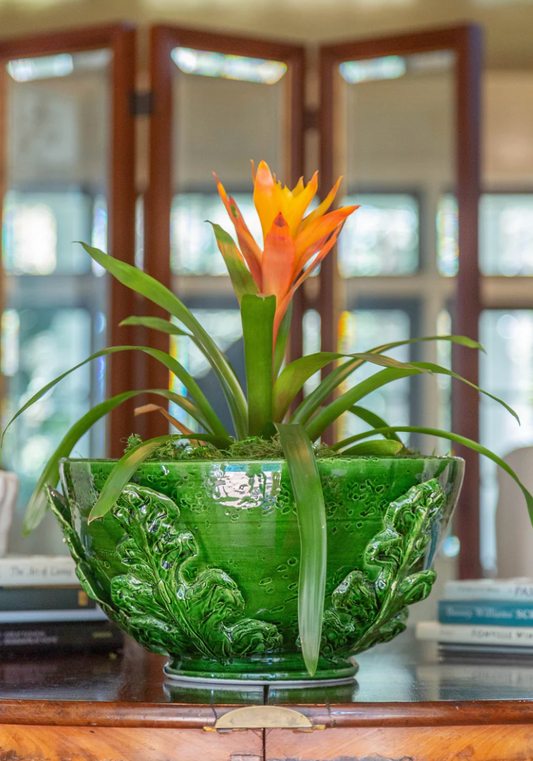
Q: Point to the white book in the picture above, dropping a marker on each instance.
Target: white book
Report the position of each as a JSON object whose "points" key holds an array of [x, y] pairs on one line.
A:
{"points": [[515, 636], [490, 589], [46, 616], [37, 571]]}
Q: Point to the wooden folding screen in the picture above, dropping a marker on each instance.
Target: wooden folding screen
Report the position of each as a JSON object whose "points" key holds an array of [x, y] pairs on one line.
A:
{"points": [[120, 40], [465, 42], [159, 194]]}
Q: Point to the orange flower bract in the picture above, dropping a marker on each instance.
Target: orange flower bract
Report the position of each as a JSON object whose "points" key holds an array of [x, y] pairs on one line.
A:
{"points": [[293, 244]]}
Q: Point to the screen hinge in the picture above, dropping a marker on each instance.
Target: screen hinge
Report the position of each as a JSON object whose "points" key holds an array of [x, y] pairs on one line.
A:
{"points": [[311, 118], [141, 102]]}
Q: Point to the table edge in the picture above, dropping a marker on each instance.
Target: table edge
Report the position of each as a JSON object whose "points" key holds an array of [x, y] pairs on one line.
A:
{"points": [[196, 716]]}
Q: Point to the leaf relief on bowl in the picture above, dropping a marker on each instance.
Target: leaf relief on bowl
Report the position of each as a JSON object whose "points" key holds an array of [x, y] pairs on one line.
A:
{"points": [[161, 599], [370, 606]]}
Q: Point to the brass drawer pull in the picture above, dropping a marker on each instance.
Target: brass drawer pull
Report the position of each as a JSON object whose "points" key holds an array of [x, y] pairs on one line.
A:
{"points": [[263, 717]]}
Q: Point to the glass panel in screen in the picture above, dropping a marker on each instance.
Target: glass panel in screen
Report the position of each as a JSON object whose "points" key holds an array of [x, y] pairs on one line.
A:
{"points": [[359, 331], [506, 370], [228, 110], [56, 143], [311, 345], [396, 153], [505, 234], [382, 237], [224, 326]]}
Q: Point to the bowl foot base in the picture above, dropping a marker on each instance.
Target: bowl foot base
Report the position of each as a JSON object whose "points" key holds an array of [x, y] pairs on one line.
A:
{"points": [[282, 671]]}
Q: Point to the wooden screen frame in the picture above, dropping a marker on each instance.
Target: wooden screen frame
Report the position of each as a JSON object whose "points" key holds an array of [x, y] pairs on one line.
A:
{"points": [[158, 202], [121, 39], [466, 41]]}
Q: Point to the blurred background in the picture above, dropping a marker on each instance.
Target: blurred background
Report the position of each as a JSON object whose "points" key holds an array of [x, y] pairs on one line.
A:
{"points": [[113, 116]]}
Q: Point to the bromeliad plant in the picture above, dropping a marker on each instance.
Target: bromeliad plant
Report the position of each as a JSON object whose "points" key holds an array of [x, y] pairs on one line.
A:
{"points": [[265, 280]]}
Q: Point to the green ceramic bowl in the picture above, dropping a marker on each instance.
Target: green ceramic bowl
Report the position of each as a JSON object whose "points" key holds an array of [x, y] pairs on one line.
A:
{"points": [[200, 559]]}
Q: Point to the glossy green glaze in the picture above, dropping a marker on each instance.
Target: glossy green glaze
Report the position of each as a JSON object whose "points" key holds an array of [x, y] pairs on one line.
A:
{"points": [[199, 559]]}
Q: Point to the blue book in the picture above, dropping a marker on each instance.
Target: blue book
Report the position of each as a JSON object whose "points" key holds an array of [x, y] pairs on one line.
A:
{"points": [[490, 613]]}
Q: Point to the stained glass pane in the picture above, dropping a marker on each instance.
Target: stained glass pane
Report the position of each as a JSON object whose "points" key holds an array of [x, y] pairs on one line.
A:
{"points": [[209, 64], [395, 66], [448, 236], [381, 237], [38, 344], [39, 229], [311, 344], [444, 382], [505, 234], [359, 331], [194, 250]]}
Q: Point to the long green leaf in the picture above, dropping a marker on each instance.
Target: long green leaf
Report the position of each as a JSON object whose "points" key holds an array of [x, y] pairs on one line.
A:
{"points": [[295, 375], [37, 504], [151, 289], [373, 420], [460, 340], [327, 415], [123, 471], [257, 313], [311, 513], [443, 435], [281, 341], [201, 411], [238, 271], [315, 399], [156, 323], [433, 368], [379, 447]]}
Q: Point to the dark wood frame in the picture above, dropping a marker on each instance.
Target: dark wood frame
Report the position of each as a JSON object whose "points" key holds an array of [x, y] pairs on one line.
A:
{"points": [[163, 39], [121, 39], [466, 42]]}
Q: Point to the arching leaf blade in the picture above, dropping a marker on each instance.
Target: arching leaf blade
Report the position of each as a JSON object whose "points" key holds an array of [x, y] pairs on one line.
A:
{"points": [[240, 275], [333, 411], [433, 368], [373, 420], [311, 513], [37, 504], [156, 323], [327, 415], [257, 314], [126, 467], [328, 386], [443, 435], [469, 343], [150, 288], [201, 411], [377, 448], [282, 340], [298, 372]]}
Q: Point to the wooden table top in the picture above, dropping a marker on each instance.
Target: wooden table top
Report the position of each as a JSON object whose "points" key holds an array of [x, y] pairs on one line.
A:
{"points": [[400, 684]]}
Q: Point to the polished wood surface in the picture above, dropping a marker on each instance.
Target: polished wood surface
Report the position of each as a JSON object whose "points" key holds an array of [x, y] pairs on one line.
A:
{"points": [[398, 684], [434, 743], [405, 704]]}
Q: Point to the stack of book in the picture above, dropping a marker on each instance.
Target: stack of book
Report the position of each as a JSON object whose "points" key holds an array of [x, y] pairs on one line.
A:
{"points": [[483, 617], [44, 608]]}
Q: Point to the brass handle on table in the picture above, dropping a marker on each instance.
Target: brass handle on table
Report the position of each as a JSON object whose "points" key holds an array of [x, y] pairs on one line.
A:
{"points": [[264, 717]]}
